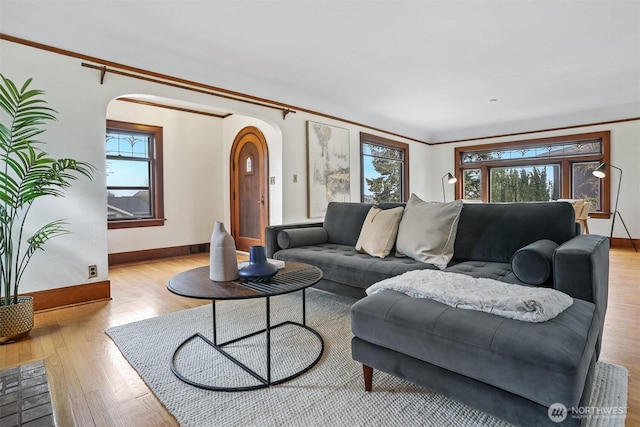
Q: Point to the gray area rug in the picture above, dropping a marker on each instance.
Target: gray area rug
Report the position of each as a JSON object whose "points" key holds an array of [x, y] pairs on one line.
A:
{"points": [[330, 394]]}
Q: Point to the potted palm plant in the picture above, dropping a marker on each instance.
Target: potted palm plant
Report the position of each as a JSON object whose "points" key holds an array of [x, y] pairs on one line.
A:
{"points": [[27, 173]]}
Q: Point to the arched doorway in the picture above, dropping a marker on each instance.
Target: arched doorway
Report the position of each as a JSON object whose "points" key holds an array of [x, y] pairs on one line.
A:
{"points": [[249, 188]]}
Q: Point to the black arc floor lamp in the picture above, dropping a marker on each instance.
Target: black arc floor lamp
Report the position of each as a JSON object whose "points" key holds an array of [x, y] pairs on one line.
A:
{"points": [[450, 179], [601, 172]]}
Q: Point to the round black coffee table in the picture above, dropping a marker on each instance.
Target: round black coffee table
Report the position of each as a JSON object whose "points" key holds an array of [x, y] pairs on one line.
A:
{"points": [[195, 283]]}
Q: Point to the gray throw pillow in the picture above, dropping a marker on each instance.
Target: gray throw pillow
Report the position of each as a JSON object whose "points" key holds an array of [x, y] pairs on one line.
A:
{"points": [[295, 237], [427, 231], [533, 264]]}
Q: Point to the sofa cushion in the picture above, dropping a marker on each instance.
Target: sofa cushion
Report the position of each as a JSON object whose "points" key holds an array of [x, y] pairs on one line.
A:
{"points": [[545, 362], [495, 231], [427, 231], [343, 264], [343, 222], [533, 263], [490, 270], [294, 237], [379, 231]]}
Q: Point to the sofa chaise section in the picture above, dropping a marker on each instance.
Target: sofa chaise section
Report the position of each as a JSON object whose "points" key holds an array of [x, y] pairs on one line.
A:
{"points": [[512, 369], [544, 363]]}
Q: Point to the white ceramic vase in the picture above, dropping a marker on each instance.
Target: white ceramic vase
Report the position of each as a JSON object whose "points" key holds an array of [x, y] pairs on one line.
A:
{"points": [[223, 264]]}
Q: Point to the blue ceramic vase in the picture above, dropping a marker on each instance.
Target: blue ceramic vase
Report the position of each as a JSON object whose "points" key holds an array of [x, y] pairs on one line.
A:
{"points": [[259, 268]]}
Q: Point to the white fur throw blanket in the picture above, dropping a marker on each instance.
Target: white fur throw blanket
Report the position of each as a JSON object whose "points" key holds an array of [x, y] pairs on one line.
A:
{"points": [[529, 304]]}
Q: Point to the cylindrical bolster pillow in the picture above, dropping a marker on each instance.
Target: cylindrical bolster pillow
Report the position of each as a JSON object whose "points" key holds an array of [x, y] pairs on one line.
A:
{"points": [[533, 263], [294, 237]]}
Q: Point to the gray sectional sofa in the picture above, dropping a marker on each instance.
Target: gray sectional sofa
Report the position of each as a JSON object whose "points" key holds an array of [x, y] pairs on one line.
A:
{"points": [[512, 369]]}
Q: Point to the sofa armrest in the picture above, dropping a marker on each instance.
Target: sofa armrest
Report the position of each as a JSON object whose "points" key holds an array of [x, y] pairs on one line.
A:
{"points": [[271, 235], [581, 270]]}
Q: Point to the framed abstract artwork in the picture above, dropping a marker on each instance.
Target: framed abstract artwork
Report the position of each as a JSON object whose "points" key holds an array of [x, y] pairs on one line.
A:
{"points": [[328, 167]]}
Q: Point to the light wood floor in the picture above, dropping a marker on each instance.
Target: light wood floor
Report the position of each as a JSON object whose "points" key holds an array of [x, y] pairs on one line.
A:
{"points": [[93, 385]]}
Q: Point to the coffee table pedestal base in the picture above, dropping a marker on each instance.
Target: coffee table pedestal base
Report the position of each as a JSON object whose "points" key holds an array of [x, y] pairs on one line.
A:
{"points": [[264, 382]]}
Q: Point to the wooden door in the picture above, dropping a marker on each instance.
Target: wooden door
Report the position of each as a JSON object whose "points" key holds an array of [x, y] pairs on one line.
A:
{"points": [[249, 188]]}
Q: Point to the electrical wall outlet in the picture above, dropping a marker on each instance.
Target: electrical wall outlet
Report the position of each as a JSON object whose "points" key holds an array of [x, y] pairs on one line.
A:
{"points": [[93, 271]]}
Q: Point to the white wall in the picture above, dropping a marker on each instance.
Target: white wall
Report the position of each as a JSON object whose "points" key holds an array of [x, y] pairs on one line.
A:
{"points": [[294, 162], [196, 168], [625, 154], [193, 166], [78, 133], [200, 164]]}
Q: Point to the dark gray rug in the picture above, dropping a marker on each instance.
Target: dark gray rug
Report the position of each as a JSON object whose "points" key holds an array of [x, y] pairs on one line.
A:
{"points": [[331, 394]]}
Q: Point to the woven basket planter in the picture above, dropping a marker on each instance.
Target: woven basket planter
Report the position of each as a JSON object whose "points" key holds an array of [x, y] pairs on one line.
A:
{"points": [[16, 320]]}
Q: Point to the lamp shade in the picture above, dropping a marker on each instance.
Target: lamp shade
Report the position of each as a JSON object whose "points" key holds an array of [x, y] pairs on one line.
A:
{"points": [[600, 171], [450, 178]]}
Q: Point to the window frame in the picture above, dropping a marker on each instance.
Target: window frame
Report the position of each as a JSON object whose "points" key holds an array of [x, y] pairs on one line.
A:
{"points": [[366, 138], [156, 178], [566, 170]]}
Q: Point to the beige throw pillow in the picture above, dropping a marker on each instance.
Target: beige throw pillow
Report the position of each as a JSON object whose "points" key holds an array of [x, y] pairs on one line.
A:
{"points": [[428, 230], [379, 231]]}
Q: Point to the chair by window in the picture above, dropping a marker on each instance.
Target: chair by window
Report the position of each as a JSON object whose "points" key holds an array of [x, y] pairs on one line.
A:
{"points": [[581, 208]]}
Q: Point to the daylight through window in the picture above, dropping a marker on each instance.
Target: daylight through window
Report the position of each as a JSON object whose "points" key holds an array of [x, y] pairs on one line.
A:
{"points": [[536, 170], [133, 174], [384, 166]]}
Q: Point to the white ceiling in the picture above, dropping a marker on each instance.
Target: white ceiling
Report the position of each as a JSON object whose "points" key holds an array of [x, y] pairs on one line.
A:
{"points": [[424, 69]]}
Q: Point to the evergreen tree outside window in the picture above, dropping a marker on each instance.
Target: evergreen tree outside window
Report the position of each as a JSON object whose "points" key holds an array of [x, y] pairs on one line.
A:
{"points": [[536, 170], [472, 181], [134, 175], [384, 169], [524, 183]]}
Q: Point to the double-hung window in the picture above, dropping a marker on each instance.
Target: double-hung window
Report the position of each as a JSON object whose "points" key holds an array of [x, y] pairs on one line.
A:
{"points": [[134, 175], [385, 169]]}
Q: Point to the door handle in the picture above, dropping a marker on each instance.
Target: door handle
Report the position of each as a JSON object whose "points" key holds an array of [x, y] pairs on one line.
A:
{"points": [[261, 201]]}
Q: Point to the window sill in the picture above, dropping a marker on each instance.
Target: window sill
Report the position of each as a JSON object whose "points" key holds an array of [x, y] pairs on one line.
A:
{"points": [[135, 223]]}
